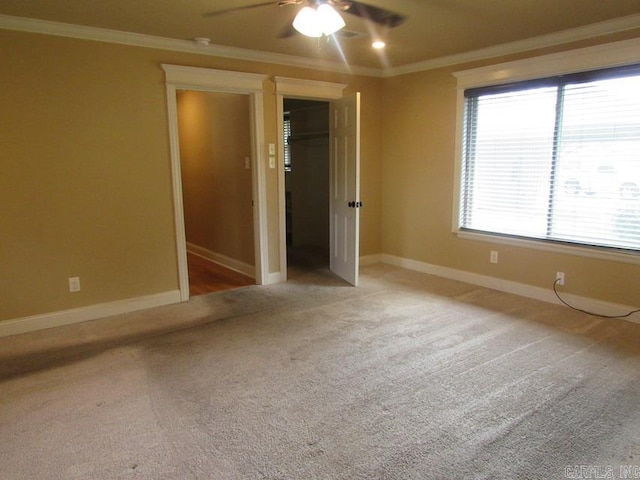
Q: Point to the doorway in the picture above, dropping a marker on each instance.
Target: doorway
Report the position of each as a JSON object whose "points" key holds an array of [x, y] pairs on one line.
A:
{"points": [[215, 149], [209, 80], [347, 159], [306, 165], [344, 172], [344, 186]]}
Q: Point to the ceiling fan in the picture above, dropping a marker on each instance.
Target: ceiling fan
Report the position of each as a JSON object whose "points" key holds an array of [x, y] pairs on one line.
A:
{"points": [[321, 17]]}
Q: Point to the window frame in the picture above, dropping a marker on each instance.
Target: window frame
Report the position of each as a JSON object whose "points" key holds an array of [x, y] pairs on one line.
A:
{"points": [[615, 54]]}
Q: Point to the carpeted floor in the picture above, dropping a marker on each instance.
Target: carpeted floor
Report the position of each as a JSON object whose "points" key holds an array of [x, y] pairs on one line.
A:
{"points": [[406, 377]]}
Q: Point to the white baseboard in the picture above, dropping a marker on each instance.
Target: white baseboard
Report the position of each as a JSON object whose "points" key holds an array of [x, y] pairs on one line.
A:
{"points": [[93, 312], [366, 260], [273, 278], [522, 289], [83, 314], [220, 259]]}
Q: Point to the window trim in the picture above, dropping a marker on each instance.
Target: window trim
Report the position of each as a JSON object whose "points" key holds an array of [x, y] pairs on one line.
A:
{"points": [[615, 54]]}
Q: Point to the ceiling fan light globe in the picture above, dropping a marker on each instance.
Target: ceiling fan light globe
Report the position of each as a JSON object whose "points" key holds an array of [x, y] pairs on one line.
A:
{"points": [[330, 20], [307, 22]]}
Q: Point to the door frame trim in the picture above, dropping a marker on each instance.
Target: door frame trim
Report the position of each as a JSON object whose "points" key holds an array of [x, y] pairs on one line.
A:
{"points": [[210, 80], [306, 90]]}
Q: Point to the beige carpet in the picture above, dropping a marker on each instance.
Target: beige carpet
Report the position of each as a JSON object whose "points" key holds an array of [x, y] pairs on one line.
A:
{"points": [[406, 377]]}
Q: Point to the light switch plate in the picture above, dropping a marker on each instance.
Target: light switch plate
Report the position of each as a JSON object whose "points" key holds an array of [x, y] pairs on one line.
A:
{"points": [[272, 149], [74, 284]]}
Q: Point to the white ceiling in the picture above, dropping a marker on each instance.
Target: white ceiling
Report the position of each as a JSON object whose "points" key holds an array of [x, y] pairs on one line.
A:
{"points": [[434, 29]]}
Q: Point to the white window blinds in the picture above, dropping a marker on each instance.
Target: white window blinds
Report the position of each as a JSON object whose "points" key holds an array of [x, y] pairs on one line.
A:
{"points": [[556, 159]]}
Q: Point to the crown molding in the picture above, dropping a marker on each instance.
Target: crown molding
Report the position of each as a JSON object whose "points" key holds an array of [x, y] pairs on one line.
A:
{"points": [[47, 27], [606, 55], [599, 29]]}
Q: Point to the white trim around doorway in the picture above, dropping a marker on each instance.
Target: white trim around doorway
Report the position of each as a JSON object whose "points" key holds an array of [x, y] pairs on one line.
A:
{"points": [[302, 89], [204, 79]]}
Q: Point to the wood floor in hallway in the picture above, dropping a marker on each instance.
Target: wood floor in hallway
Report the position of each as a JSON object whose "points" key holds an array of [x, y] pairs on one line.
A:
{"points": [[206, 276]]}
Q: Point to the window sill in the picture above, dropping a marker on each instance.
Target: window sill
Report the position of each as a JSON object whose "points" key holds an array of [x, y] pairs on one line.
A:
{"points": [[600, 253]]}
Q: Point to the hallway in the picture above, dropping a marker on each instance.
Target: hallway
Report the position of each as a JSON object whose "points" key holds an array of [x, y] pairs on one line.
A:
{"points": [[206, 276]]}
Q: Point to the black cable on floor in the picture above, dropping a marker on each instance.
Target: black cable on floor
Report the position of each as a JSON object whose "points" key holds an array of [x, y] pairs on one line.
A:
{"points": [[587, 312]]}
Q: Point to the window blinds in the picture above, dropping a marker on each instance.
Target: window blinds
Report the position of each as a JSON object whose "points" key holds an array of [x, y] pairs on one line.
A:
{"points": [[555, 159]]}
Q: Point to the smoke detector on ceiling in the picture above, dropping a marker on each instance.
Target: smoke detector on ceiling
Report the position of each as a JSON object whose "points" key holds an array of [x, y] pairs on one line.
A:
{"points": [[202, 41]]}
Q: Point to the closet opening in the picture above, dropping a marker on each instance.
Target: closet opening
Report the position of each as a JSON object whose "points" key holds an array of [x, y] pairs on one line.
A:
{"points": [[306, 165]]}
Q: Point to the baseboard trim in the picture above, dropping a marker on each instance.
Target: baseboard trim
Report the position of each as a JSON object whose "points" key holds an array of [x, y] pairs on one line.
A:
{"points": [[367, 260], [84, 314], [508, 286], [273, 278], [223, 260], [93, 312]]}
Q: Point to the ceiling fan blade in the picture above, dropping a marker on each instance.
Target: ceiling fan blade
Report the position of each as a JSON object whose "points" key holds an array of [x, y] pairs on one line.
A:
{"points": [[378, 15], [237, 9]]}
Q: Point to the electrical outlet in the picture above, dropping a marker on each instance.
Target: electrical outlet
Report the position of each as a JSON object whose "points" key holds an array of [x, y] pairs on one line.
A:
{"points": [[74, 284], [493, 256], [560, 278]]}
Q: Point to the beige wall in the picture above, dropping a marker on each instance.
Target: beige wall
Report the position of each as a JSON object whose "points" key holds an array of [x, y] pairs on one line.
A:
{"points": [[85, 176], [85, 184], [417, 191], [215, 140]]}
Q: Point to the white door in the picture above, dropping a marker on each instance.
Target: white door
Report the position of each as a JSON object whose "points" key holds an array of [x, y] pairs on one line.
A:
{"points": [[344, 173]]}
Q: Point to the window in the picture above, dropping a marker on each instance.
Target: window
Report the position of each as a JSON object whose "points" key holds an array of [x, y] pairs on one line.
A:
{"points": [[287, 148], [555, 159]]}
